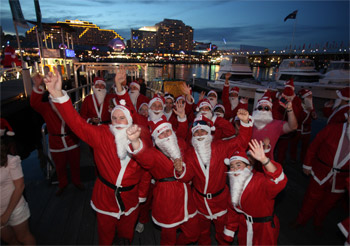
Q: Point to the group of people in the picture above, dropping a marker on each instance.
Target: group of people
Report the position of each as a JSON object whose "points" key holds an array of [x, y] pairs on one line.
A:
{"points": [[194, 163]]}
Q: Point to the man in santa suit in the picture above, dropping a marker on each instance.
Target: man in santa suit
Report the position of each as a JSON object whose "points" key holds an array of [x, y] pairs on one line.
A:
{"points": [[328, 162], [136, 98], [338, 111], [223, 128], [168, 110], [212, 96], [94, 108], [303, 133], [231, 100], [63, 143], [172, 206], [203, 164], [115, 195], [253, 198], [265, 127], [156, 108]]}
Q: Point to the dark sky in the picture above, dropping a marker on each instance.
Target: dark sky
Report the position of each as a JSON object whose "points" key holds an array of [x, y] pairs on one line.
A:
{"points": [[226, 23]]}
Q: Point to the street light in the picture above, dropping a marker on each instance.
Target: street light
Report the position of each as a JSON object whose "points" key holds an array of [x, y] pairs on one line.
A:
{"points": [[194, 76]]}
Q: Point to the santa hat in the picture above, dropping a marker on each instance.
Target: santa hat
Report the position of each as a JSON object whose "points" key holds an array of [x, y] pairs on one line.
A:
{"points": [[127, 110], [305, 93], [159, 126], [99, 80], [265, 99], [180, 98], [202, 122], [219, 106], [202, 103], [234, 90], [169, 96], [238, 155], [344, 93], [156, 98], [212, 92], [288, 91], [290, 84], [142, 105], [4, 125], [135, 84]]}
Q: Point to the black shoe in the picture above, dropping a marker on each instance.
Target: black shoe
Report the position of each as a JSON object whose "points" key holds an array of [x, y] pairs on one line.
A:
{"points": [[80, 186], [60, 191]]}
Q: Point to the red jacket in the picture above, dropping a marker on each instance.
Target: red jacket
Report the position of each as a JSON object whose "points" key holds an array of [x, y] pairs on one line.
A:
{"points": [[91, 109], [337, 115], [231, 113]]}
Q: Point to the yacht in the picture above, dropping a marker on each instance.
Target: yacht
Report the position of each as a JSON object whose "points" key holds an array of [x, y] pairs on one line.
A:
{"points": [[337, 73]]}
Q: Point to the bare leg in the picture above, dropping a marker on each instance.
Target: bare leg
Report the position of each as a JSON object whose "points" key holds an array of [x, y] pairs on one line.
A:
{"points": [[23, 234], [8, 235]]}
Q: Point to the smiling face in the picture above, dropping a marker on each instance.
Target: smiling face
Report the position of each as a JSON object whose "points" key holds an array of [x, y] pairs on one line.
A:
{"points": [[200, 133], [119, 118], [156, 106], [165, 134]]}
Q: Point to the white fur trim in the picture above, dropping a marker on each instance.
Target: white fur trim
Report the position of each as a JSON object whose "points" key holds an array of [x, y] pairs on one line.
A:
{"points": [[213, 216], [176, 223], [153, 100], [142, 199], [341, 96], [10, 133], [183, 172], [63, 99], [135, 84], [136, 150], [228, 232], [279, 178], [192, 100], [40, 91], [181, 120], [203, 127], [161, 128], [120, 93], [99, 81], [268, 149], [307, 167], [114, 214], [249, 124], [234, 158]]}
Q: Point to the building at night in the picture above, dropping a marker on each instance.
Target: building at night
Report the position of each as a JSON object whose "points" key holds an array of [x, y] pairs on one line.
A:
{"points": [[144, 39]]}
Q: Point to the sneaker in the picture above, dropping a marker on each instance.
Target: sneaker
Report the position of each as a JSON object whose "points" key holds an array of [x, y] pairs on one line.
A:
{"points": [[139, 227]]}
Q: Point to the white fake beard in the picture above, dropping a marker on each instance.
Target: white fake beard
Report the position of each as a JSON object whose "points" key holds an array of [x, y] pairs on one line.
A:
{"points": [[213, 101], [153, 116], [207, 114], [308, 103], [133, 96], [167, 115], [237, 184], [261, 118], [121, 139], [219, 114], [169, 146], [336, 103], [203, 148], [100, 94], [234, 102]]}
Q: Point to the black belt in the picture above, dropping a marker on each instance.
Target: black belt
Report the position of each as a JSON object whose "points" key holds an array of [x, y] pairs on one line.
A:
{"points": [[167, 179], [61, 135], [333, 168], [117, 191], [260, 219], [210, 195]]}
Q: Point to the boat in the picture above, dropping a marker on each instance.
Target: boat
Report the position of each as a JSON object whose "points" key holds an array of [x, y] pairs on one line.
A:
{"points": [[337, 73], [302, 71]]}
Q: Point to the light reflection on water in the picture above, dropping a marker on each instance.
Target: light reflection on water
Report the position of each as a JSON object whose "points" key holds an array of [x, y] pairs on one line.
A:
{"points": [[188, 71]]}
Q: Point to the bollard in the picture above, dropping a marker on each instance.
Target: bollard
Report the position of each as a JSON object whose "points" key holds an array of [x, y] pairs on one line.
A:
{"points": [[258, 94]]}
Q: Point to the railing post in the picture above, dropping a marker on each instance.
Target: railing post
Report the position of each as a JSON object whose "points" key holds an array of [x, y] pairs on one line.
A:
{"points": [[27, 81]]}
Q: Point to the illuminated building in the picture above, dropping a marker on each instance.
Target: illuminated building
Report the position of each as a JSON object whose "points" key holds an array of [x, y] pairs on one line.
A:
{"points": [[201, 47], [144, 39]]}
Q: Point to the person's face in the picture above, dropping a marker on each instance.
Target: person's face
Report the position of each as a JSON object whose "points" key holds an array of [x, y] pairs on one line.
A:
{"points": [[169, 103], [100, 86], [237, 165], [144, 110], [219, 110], [165, 134], [233, 94], [156, 106], [133, 88], [200, 132], [212, 95], [119, 117], [205, 108]]}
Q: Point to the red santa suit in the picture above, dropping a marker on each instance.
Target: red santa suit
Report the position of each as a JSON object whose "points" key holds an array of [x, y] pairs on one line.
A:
{"points": [[339, 114], [172, 206], [344, 226], [254, 215], [230, 113], [209, 182], [63, 143], [140, 98], [328, 158], [116, 207], [91, 109]]}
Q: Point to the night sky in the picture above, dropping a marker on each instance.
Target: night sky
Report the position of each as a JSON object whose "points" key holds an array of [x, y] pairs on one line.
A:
{"points": [[227, 24]]}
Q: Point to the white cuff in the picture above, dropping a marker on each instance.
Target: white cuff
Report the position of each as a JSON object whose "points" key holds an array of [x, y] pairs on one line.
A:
{"points": [[228, 232], [62, 99], [135, 151], [120, 93], [267, 150], [181, 120], [142, 199], [249, 124], [279, 178], [40, 91], [191, 99], [307, 167], [227, 85], [183, 172]]}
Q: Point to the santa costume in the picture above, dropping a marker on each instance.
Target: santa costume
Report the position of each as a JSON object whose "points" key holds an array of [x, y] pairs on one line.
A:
{"points": [[338, 113], [136, 97], [232, 104]]}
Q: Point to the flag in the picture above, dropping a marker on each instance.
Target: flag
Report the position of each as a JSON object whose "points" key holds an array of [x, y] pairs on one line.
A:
{"points": [[304, 46], [291, 15], [17, 14], [309, 45], [38, 15]]}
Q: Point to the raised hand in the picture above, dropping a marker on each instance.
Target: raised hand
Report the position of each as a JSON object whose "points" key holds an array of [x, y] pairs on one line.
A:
{"points": [[201, 96], [120, 75], [257, 150], [178, 165], [53, 83], [227, 76], [185, 88], [180, 109], [243, 115], [133, 133], [37, 80]]}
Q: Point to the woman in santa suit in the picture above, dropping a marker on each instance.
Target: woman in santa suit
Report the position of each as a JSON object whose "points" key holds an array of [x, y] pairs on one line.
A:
{"points": [[253, 198]]}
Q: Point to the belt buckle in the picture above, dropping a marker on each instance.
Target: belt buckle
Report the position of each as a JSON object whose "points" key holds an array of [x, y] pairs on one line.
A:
{"points": [[209, 196], [249, 218]]}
